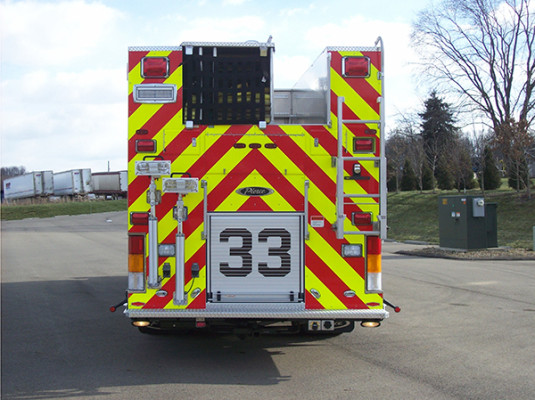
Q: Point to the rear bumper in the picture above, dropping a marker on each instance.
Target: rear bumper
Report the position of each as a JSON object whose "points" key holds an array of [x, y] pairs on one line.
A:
{"points": [[255, 311]]}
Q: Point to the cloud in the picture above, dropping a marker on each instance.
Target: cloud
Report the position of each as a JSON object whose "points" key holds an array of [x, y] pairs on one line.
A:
{"points": [[66, 31], [63, 96]]}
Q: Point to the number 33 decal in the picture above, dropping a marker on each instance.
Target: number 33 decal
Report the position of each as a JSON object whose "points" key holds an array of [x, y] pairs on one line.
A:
{"points": [[246, 257]]}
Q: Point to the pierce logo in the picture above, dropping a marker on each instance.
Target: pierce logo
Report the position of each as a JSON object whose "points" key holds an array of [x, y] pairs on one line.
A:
{"points": [[254, 191]]}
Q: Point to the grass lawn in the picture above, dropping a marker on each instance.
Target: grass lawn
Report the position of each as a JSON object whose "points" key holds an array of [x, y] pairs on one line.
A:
{"points": [[45, 210], [414, 216], [411, 215]]}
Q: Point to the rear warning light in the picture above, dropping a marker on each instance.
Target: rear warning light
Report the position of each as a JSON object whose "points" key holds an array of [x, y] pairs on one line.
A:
{"points": [[361, 218], [155, 67], [136, 262], [145, 146], [373, 265], [139, 218], [363, 145], [356, 67]]}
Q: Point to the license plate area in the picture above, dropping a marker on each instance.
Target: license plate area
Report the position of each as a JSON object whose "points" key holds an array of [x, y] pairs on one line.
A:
{"points": [[255, 257]]}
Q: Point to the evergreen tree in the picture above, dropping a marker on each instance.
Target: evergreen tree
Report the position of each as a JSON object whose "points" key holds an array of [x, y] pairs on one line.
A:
{"points": [[445, 179], [438, 130], [428, 180], [408, 178], [491, 173]]}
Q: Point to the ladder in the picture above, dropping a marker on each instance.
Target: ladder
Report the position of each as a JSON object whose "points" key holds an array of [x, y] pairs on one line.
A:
{"points": [[379, 229]]}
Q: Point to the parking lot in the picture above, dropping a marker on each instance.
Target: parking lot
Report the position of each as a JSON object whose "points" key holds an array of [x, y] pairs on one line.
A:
{"points": [[466, 331]]}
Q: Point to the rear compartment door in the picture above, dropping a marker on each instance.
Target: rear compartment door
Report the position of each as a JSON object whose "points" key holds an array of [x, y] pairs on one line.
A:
{"points": [[255, 257]]}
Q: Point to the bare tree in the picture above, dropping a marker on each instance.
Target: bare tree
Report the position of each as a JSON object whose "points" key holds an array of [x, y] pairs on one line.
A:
{"points": [[484, 51]]}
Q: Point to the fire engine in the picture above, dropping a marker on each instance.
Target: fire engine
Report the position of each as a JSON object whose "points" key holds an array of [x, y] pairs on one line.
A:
{"points": [[251, 208]]}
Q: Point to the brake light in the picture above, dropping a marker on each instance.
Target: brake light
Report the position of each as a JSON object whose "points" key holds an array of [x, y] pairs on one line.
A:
{"points": [[356, 67], [373, 264], [136, 262], [364, 145], [155, 67]]}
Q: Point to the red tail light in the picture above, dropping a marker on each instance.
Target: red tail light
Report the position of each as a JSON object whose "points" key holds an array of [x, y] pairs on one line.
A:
{"points": [[136, 244], [373, 244]]}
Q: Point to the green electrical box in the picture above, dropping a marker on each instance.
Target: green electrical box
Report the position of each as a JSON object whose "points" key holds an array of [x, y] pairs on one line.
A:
{"points": [[467, 222]]}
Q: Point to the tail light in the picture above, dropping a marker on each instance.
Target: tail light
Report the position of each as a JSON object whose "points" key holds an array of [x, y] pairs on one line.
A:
{"points": [[136, 262], [373, 265]]}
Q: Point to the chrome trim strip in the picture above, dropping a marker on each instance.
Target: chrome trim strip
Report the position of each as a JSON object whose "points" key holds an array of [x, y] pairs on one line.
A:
{"points": [[259, 313]]}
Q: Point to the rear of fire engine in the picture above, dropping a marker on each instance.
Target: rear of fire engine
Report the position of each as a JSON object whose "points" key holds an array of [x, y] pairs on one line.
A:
{"points": [[251, 208]]}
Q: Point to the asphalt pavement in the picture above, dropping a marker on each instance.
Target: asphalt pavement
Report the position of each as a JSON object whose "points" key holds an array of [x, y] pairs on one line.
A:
{"points": [[466, 331]]}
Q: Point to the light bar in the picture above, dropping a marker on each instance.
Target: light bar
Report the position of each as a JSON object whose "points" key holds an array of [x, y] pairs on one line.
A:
{"points": [[153, 168], [157, 93], [180, 185]]}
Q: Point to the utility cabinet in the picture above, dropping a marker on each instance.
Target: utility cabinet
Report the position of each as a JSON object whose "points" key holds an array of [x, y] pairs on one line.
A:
{"points": [[467, 222]]}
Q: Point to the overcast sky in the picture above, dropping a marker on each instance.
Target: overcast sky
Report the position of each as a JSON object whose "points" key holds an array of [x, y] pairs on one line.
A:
{"points": [[63, 63]]}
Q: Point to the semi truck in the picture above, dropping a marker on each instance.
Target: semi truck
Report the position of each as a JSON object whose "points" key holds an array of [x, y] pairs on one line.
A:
{"points": [[251, 208], [73, 182], [114, 183], [33, 184]]}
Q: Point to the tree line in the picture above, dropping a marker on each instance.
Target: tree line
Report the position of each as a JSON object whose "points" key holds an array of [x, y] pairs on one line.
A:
{"points": [[482, 54]]}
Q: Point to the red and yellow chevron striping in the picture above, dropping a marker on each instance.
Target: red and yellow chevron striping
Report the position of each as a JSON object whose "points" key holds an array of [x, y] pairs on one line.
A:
{"points": [[292, 168]]}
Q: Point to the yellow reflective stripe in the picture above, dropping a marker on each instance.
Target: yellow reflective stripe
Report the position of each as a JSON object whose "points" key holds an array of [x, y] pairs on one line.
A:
{"points": [[352, 99], [141, 116], [327, 299], [275, 201], [334, 260], [200, 283]]}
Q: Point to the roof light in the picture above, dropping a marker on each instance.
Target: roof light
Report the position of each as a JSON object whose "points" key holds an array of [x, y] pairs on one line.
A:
{"points": [[155, 67], [356, 67], [364, 145], [145, 146], [180, 185], [153, 168]]}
